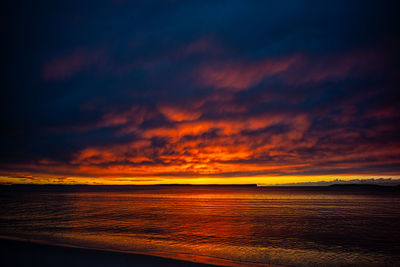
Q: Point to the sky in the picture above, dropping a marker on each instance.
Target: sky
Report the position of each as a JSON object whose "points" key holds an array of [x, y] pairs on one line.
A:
{"points": [[149, 92]]}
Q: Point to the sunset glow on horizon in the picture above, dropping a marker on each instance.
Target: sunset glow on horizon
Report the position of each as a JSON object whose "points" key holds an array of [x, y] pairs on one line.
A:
{"points": [[176, 93]]}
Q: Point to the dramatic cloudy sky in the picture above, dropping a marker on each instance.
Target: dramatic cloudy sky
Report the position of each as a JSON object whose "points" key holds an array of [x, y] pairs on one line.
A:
{"points": [[198, 91]]}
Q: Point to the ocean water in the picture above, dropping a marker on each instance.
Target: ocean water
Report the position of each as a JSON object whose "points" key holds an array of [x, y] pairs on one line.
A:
{"points": [[314, 226]]}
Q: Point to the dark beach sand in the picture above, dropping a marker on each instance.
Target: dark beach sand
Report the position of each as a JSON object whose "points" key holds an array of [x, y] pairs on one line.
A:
{"points": [[19, 253]]}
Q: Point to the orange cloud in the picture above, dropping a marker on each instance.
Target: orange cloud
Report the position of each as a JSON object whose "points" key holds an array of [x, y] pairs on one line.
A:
{"points": [[179, 114], [187, 152]]}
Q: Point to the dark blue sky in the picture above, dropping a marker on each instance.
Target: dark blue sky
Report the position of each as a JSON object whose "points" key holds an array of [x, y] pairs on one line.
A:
{"points": [[147, 89]]}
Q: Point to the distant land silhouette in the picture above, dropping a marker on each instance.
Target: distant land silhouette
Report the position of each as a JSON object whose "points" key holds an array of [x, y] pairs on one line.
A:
{"points": [[354, 182], [356, 185], [336, 182]]}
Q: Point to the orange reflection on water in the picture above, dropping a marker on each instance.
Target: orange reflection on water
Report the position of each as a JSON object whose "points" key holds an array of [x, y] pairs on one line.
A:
{"points": [[185, 222], [291, 226]]}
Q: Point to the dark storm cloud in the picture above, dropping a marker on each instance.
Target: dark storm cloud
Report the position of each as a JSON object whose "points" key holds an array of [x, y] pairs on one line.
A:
{"points": [[217, 88]]}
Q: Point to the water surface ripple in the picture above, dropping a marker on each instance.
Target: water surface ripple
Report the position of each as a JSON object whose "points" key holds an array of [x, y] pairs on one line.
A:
{"points": [[289, 226]]}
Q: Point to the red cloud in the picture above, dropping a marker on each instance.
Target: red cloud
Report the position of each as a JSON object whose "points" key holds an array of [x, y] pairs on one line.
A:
{"points": [[332, 67], [296, 69], [69, 65], [242, 75]]}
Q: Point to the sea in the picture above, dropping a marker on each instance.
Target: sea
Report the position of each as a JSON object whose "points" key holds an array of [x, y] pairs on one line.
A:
{"points": [[228, 225]]}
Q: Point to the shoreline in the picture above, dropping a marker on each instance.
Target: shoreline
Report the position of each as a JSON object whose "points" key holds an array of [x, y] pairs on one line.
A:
{"points": [[28, 253], [21, 252]]}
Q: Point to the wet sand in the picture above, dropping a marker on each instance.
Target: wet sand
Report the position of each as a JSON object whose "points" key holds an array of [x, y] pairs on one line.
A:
{"points": [[20, 253]]}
